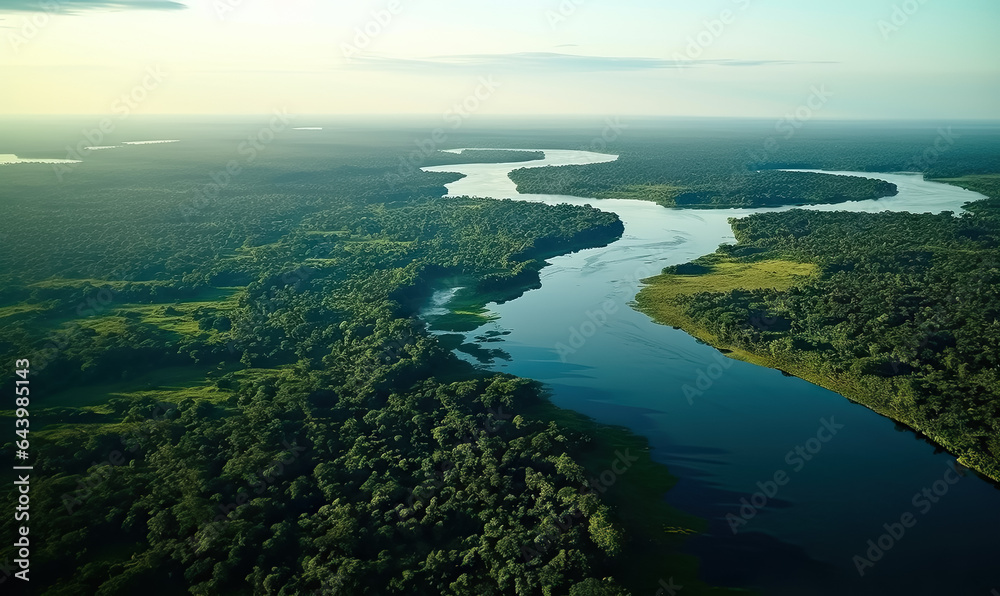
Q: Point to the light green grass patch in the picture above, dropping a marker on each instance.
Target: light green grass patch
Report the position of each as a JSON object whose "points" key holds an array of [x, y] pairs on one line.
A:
{"points": [[109, 325], [729, 275], [178, 317], [171, 379], [203, 392], [20, 309], [77, 433], [662, 298]]}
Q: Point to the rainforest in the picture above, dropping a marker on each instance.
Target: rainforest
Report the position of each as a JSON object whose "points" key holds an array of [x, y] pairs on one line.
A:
{"points": [[242, 391]]}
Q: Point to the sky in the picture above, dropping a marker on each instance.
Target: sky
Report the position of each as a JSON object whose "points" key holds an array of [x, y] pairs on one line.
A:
{"points": [[853, 59]]}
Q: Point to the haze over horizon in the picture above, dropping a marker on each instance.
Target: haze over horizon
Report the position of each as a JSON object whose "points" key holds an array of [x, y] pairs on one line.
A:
{"points": [[858, 59]]}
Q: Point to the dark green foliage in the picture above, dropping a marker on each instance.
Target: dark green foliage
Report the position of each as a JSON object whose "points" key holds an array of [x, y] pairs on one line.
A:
{"points": [[649, 179], [337, 449], [325, 481]]}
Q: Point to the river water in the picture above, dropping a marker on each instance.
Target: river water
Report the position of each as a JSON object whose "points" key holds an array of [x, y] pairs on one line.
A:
{"points": [[857, 471]]}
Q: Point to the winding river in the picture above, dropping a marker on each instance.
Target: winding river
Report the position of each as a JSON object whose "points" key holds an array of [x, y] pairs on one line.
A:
{"points": [[856, 475]]}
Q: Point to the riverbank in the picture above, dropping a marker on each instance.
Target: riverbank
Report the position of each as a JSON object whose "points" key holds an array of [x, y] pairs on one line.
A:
{"points": [[727, 302], [466, 307]]}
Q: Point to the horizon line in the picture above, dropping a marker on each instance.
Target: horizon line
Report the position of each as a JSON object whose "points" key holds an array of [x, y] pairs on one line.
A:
{"points": [[370, 115]]}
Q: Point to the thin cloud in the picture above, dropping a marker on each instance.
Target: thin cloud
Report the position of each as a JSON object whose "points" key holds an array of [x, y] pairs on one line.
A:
{"points": [[547, 61], [75, 6]]}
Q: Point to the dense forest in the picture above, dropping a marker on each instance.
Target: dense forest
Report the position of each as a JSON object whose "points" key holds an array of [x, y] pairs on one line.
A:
{"points": [[231, 390], [231, 393], [898, 311]]}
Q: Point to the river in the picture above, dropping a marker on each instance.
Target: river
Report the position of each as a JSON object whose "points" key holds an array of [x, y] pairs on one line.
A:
{"points": [[859, 471]]}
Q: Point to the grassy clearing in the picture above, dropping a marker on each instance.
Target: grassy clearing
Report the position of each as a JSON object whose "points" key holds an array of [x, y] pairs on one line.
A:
{"points": [[110, 325], [180, 324], [662, 298], [203, 392], [177, 380], [178, 317], [94, 417], [174, 316], [78, 433], [170, 384], [20, 309], [213, 295]]}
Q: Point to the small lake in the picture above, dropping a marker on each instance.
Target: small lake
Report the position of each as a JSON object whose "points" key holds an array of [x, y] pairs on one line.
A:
{"points": [[578, 335]]}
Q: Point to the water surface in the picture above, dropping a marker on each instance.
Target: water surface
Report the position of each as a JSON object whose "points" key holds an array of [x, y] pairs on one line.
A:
{"points": [[603, 359]]}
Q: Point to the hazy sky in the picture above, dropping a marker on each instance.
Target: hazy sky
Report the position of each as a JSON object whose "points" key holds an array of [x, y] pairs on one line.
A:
{"points": [[933, 59]]}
